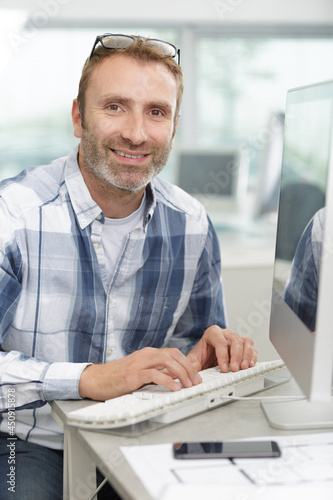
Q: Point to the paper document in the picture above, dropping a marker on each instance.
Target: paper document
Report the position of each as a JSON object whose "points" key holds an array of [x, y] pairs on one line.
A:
{"points": [[304, 469]]}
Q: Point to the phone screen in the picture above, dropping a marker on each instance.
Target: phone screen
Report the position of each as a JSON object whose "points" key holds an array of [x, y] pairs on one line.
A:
{"points": [[227, 449]]}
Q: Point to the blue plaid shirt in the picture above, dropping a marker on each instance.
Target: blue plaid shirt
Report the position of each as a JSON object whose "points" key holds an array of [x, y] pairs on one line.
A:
{"points": [[56, 312], [301, 291]]}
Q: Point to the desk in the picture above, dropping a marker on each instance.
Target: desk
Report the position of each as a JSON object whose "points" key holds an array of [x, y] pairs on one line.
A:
{"points": [[84, 450]]}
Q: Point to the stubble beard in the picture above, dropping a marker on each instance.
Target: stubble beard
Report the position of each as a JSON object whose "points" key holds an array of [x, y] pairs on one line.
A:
{"points": [[110, 173]]}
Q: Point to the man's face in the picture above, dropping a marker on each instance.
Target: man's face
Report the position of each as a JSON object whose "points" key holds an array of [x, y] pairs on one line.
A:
{"points": [[129, 122]]}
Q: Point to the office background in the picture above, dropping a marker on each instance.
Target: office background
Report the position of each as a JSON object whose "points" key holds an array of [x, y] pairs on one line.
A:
{"points": [[239, 59]]}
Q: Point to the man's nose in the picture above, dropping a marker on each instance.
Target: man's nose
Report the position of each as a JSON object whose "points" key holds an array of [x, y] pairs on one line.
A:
{"points": [[134, 129]]}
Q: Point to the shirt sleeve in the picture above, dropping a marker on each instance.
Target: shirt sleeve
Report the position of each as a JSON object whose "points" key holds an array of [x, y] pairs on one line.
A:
{"points": [[206, 305], [34, 381]]}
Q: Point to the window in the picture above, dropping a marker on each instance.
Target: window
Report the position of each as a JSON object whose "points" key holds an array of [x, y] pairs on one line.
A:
{"points": [[242, 81], [233, 83], [37, 87]]}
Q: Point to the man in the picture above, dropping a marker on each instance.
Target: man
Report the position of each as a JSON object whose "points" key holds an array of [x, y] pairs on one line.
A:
{"points": [[110, 277]]}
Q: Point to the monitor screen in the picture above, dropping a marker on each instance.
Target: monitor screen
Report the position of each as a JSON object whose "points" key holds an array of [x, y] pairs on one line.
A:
{"points": [[208, 173], [301, 309], [216, 177]]}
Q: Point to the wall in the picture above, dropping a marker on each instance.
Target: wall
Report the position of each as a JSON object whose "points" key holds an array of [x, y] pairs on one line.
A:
{"points": [[180, 11]]}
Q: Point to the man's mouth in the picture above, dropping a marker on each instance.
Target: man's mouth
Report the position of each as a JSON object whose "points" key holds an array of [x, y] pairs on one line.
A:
{"points": [[126, 155]]}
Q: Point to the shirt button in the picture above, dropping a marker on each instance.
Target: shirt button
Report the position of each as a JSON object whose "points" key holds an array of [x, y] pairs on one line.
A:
{"points": [[96, 246], [110, 299], [109, 351], [99, 217]]}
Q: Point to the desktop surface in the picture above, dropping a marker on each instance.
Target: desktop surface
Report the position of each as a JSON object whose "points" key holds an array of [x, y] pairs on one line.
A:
{"points": [[238, 420]]}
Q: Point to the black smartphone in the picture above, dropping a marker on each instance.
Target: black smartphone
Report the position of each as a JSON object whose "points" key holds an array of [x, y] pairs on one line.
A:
{"points": [[227, 449]]}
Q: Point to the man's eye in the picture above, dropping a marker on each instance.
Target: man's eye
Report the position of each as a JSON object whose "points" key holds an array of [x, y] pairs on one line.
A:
{"points": [[113, 107], [156, 112]]}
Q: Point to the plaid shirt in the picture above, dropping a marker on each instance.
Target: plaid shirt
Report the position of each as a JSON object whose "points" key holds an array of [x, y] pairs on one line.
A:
{"points": [[56, 312], [302, 288]]}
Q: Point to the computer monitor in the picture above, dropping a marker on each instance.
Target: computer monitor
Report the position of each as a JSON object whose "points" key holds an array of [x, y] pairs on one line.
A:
{"points": [[216, 177], [306, 186]]}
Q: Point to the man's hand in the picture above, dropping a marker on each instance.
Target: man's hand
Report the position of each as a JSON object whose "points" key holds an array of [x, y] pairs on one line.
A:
{"points": [[223, 347], [217, 346], [146, 366]]}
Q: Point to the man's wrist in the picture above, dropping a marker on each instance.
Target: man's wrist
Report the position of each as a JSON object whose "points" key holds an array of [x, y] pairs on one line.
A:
{"points": [[85, 381]]}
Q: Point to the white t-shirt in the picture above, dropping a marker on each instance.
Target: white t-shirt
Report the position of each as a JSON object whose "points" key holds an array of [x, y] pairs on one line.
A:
{"points": [[114, 236]]}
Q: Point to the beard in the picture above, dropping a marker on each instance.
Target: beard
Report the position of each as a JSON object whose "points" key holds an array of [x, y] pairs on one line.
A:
{"points": [[104, 167]]}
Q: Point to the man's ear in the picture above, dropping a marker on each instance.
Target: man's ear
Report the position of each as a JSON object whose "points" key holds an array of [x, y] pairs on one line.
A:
{"points": [[175, 130], [76, 119]]}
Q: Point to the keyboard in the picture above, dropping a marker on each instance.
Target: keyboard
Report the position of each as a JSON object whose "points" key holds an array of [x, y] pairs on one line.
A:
{"points": [[158, 404]]}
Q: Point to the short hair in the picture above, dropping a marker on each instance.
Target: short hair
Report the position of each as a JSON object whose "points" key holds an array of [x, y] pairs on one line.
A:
{"points": [[138, 50]]}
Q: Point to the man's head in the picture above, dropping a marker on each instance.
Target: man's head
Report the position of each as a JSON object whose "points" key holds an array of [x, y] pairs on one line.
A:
{"points": [[126, 114], [140, 49]]}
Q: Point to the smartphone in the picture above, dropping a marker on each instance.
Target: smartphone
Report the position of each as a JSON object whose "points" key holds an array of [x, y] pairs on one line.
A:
{"points": [[227, 449]]}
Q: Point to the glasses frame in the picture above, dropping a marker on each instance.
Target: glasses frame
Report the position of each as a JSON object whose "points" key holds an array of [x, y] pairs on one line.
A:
{"points": [[99, 39]]}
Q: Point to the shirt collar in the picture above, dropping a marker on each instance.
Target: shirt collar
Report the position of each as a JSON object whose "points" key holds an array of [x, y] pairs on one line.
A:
{"points": [[85, 207]]}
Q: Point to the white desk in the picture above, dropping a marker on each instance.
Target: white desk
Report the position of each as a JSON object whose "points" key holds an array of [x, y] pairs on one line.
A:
{"points": [[84, 450]]}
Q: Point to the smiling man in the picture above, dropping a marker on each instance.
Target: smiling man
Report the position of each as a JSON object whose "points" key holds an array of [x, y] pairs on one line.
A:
{"points": [[110, 277], [128, 129]]}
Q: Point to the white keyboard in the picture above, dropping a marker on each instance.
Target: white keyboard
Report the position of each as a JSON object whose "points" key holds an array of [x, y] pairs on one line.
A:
{"points": [[159, 404]]}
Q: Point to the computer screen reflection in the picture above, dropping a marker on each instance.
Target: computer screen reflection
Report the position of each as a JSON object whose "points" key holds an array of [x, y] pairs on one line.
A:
{"points": [[303, 185]]}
